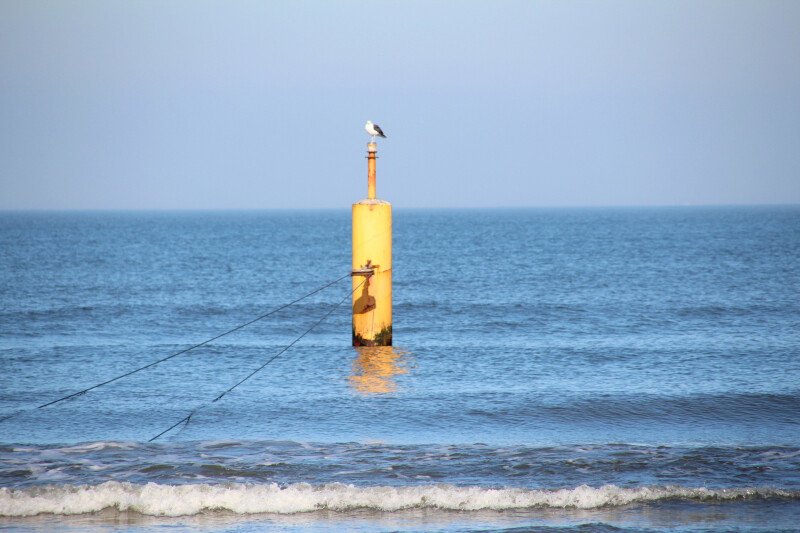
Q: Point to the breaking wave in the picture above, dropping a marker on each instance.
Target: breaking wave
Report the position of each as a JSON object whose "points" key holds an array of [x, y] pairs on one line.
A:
{"points": [[180, 500]]}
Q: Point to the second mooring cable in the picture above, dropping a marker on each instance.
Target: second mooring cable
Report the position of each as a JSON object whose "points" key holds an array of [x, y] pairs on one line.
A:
{"points": [[185, 420]]}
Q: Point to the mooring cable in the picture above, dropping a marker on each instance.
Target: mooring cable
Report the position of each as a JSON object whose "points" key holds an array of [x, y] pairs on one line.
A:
{"points": [[185, 420], [126, 374]]}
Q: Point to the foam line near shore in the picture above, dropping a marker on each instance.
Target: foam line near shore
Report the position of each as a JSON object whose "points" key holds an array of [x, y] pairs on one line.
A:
{"points": [[181, 500]]}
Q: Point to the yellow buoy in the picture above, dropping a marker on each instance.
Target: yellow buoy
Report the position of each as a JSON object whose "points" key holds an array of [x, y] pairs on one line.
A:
{"points": [[372, 265]]}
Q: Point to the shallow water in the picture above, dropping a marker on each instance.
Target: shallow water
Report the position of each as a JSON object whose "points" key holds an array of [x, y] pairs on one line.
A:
{"points": [[626, 368]]}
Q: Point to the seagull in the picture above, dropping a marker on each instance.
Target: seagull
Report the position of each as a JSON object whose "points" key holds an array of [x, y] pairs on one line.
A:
{"points": [[374, 130]]}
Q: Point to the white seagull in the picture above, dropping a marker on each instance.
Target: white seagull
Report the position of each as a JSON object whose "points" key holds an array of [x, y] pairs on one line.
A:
{"points": [[374, 130]]}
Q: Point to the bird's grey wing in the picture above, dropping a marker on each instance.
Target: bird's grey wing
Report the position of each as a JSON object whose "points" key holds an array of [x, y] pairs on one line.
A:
{"points": [[379, 130]]}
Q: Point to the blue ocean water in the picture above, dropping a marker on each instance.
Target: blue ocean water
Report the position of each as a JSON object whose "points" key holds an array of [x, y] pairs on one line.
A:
{"points": [[555, 369]]}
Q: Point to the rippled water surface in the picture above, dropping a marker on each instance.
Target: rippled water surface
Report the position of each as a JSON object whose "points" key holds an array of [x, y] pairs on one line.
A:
{"points": [[588, 369]]}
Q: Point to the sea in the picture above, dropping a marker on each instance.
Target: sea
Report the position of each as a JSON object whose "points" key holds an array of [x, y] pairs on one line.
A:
{"points": [[586, 369]]}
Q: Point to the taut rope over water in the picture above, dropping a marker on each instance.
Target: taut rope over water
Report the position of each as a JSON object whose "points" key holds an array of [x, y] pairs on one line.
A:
{"points": [[154, 363]]}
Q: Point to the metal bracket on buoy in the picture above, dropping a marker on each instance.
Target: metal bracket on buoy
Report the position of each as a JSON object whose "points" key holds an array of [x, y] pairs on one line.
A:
{"points": [[365, 270]]}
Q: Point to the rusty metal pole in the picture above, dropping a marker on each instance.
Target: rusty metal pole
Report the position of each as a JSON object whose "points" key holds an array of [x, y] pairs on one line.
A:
{"points": [[372, 149]]}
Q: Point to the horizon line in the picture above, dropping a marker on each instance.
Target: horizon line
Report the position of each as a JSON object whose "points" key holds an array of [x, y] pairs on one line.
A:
{"points": [[431, 208]]}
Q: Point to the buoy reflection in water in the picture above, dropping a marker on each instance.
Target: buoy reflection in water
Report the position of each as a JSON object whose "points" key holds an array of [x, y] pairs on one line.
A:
{"points": [[375, 368]]}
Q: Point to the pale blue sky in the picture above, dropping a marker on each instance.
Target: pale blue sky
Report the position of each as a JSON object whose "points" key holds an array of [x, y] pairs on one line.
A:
{"points": [[196, 104]]}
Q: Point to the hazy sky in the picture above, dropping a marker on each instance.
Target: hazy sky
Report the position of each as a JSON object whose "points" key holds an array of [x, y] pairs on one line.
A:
{"points": [[140, 104]]}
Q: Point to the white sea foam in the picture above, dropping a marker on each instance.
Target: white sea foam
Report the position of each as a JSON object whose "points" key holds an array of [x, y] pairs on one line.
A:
{"points": [[177, 500], [97, 446]]}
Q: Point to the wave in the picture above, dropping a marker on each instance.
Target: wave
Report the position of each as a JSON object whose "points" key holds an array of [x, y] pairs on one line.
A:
{"points": [[181, 500]]}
